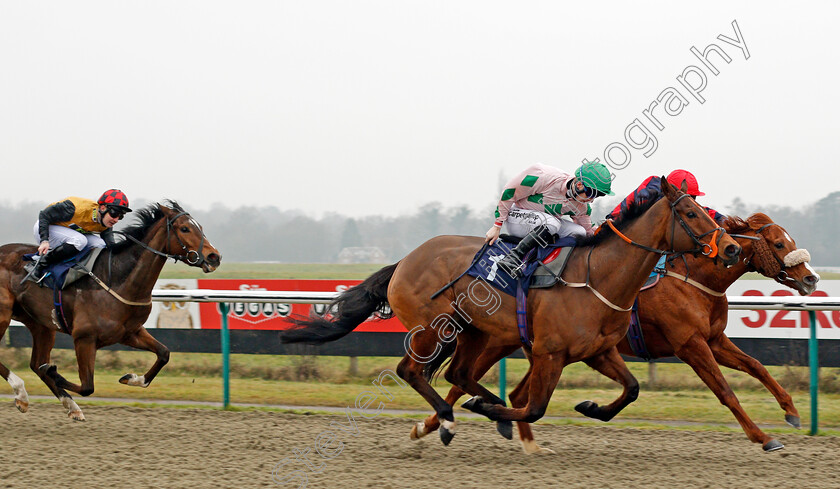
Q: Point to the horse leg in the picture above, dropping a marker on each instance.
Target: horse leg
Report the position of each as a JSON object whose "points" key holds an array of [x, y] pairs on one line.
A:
{"points": [[519, 398], [696, 353], [21, 397], [611, 365], [461, 372], [729, 355], [142, 340], [482, 364], [421, 351], [545, 373], [43, 340]]}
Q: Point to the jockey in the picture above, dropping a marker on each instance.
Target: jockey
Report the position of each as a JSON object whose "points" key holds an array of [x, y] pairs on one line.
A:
{"points": [[651, 189], [534, 201], [66, 227]]}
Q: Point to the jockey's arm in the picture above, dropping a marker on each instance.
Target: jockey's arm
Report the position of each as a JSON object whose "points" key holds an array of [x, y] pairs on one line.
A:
{"points": [[58, 212], [108, 237]]}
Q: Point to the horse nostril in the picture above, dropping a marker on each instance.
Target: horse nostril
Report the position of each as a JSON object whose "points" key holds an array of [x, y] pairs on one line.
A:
{"points": [[810, 279], [214, 259], [732, 250]]}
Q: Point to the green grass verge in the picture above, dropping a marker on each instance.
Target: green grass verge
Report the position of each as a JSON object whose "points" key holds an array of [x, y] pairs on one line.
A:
{"points": [[326, 381]]}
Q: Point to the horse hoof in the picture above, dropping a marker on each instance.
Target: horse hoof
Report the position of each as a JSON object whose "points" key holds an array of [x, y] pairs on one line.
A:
{"points": [[505, 428], [134, 380], [586, 407], [772, 446], [21, 406], [473, 403], [446, 436], [793, 421], [76, 415], [418, 431], [530, 447]]}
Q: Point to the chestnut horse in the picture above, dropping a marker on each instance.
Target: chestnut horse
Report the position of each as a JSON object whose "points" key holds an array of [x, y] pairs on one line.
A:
{"points": [[96, 316], [567, 324], [696, 334]]}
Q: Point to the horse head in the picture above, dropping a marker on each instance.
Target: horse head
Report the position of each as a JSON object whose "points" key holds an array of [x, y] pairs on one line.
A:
{"points": [[701, 233], [185, 240], [773, 253]]}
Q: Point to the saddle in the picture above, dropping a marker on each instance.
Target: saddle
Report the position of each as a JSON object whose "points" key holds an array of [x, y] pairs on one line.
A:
{"points": [[58, 276], [543, 265]]}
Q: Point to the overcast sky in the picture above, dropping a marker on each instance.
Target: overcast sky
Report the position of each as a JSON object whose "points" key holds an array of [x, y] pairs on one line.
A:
{"points": [[377, 107]]}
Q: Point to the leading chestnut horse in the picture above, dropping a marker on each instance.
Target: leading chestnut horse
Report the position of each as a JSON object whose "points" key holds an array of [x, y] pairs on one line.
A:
{"points": [[695, 334], [96, 316], [567, 324]]}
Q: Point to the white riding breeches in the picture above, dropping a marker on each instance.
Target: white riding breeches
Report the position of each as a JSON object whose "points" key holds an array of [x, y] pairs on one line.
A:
{"points": [[61, 234], [522, 221]]}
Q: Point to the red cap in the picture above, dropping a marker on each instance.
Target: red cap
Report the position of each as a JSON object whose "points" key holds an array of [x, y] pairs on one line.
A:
{"points": [[676, 178]]}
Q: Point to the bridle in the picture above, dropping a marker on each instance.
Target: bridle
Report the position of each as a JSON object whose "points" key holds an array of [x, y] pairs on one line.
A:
{"points": [[781, 275], [192, 257], [709, 249]]}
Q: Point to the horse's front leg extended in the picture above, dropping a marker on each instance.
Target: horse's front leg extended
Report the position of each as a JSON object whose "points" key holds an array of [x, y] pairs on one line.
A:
{"points": [[611, 365], [729, 355], [142, 340], [696, 353]]}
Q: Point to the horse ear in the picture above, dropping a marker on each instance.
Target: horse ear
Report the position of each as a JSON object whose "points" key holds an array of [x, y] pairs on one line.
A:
{"points": [[667, 189], [167, 211], [684, 186]]}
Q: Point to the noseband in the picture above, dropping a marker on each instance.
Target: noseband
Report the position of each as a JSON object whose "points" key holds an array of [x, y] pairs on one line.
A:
{"points": [[192, 257], [764, 265]]}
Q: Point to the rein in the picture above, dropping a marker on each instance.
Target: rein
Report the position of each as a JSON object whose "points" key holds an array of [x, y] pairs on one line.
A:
{"points": [[198, 259], [712, 252], [711, 246]]}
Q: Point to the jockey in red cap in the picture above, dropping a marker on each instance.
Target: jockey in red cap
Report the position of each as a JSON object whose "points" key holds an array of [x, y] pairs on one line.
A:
{"points": [[66, 227], [651, 189]]}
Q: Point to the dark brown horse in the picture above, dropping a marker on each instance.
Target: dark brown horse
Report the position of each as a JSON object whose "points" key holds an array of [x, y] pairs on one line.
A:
{"points": [[694, 334], [96, 316], [567, 324]]}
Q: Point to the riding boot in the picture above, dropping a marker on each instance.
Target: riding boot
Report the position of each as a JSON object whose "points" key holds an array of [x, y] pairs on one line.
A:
{"points": [[53, 256], [512, 262]]}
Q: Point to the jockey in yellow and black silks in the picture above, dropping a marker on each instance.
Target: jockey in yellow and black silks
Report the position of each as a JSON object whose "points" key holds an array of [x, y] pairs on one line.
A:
{"points": [[66, 227]]}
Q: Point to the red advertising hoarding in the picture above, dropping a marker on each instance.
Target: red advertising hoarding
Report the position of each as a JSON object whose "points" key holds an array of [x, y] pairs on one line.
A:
{"points": [[273, 316]]}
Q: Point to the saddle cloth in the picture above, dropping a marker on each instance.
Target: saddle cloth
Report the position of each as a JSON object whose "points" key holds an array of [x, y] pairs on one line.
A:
{"points": [[60, 275], [543, 266]]}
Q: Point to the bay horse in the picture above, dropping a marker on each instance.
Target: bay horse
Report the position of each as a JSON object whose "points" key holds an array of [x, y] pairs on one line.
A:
{"points": [[694, 334], [567, 324], [98, 315]]}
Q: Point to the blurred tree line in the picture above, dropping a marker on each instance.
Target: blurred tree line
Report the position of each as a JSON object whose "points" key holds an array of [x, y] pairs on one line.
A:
{"points": [[272, 234]]}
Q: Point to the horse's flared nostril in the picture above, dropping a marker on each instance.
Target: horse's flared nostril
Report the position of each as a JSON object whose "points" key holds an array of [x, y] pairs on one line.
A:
{"points": [[732, 251], [811, 279], [214, 259]]}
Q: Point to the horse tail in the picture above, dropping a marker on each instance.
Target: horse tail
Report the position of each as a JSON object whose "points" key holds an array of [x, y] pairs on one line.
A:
{"points": [[432, 369], [348, 310]]}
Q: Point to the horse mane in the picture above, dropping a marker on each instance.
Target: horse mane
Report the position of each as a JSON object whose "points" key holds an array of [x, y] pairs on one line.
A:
{"points": [[734, 224], [143, 219], [634, 210]]}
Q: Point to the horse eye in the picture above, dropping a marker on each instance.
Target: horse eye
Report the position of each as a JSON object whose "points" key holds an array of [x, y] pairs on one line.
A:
{"points": [[780, 245], [185, 229], [691, 215]]}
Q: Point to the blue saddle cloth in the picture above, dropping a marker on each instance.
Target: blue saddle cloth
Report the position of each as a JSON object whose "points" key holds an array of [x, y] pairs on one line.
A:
{"points": [[486, 266], [57, 273]]}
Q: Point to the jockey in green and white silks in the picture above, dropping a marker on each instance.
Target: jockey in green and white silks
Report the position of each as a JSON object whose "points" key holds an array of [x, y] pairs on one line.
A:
{"points": [[534, 202]]}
